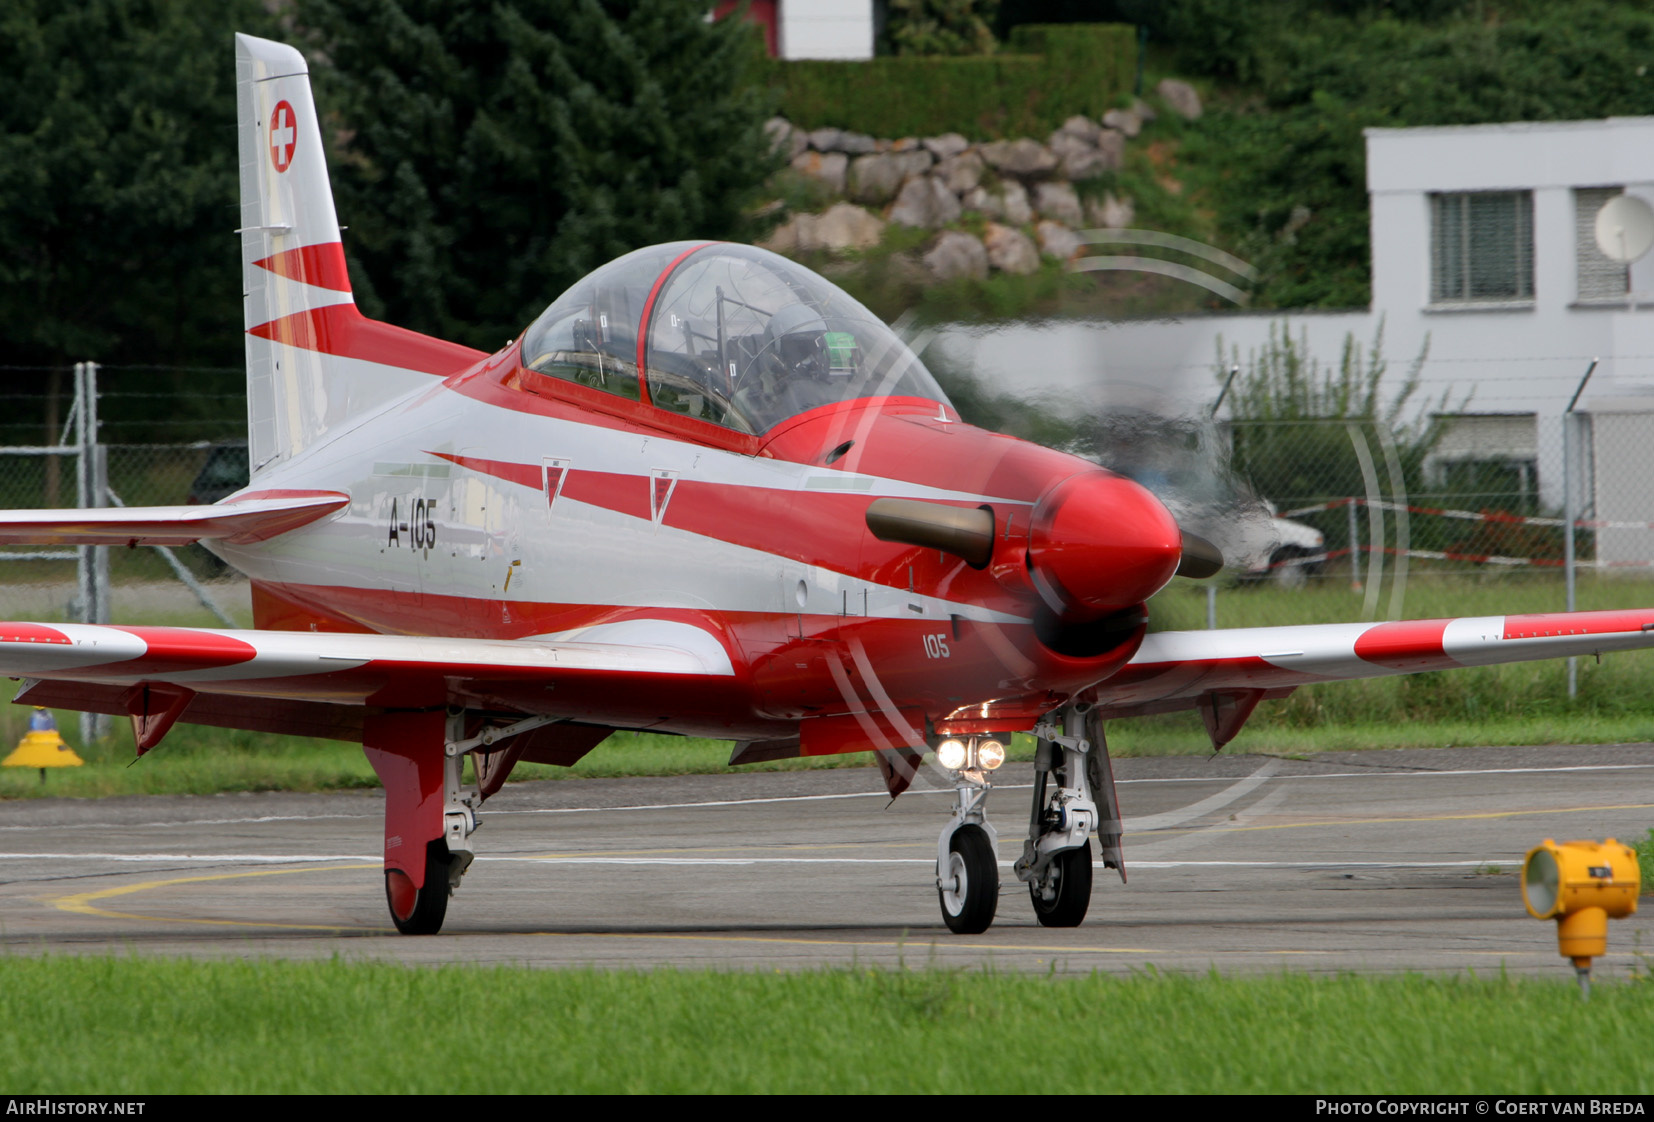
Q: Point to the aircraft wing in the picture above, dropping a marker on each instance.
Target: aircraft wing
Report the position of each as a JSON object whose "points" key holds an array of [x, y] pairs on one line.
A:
{"points": [[1225, 673], [319, 684], [249, 517]]}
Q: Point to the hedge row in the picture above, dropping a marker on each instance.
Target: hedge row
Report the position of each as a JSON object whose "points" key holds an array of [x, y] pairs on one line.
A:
{"points": [[1049, 73]]}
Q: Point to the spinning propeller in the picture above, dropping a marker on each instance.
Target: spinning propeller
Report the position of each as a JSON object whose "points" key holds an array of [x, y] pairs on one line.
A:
{"points": [[1097, 543]]}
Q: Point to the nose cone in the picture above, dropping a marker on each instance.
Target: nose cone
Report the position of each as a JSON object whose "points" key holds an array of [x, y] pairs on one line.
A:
{"points": [[1099, 543]]}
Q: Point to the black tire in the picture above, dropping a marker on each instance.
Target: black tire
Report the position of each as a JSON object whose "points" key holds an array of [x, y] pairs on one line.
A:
{"points": [[1284, 570], [1071, 869], [969, 910], [420, 911]]}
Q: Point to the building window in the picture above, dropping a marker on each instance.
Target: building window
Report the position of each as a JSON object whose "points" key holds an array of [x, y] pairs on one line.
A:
{"points": [[1485, 461], [1600, 276], [1481, 247]]}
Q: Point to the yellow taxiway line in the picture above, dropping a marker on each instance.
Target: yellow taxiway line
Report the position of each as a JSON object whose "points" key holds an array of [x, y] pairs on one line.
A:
{"points": [[82, 902]]}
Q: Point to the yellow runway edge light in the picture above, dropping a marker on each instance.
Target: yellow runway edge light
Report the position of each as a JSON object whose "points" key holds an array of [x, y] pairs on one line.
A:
{"points": [[1581, 885]]}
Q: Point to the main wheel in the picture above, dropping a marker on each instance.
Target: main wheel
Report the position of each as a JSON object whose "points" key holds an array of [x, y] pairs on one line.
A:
{"points": [[1066, 893], [970, 884], [420, 911]]}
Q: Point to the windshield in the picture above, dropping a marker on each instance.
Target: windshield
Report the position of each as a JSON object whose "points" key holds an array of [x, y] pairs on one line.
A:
{"points": [[589, 334], [744, 338]]}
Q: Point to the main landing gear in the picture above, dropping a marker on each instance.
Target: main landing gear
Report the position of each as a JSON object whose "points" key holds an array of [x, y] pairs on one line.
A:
{"points": [[429, 816], [1072, 775]]}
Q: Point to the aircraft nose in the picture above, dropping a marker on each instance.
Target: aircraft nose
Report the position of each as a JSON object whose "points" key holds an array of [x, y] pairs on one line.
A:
{"points": [[1099, 543]]}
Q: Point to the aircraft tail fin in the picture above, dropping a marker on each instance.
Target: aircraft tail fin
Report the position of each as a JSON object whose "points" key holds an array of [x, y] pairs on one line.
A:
{"points": [[312, 359]]}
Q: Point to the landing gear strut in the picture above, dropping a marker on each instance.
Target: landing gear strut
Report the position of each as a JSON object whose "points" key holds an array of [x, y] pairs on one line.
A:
{"points": [[429, 816]]}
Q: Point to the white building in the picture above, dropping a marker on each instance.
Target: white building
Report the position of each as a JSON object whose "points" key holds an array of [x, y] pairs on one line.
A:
{"points": [[841, 30], [1483, 249], [831, 29]]}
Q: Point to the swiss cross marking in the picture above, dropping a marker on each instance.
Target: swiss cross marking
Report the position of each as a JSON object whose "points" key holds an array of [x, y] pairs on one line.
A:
{"points": [[284, 136]]}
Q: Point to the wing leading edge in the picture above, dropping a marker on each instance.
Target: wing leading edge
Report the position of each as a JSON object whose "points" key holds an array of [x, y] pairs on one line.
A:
{"points": [[319, 684], [1225, 674]]}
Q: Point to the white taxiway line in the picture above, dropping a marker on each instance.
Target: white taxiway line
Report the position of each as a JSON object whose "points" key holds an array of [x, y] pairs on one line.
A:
{"points": [[193, 822], [1247, 779]]}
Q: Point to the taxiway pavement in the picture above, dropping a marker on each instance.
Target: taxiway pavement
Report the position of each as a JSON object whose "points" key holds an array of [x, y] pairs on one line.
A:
{"points": [[1385, 860]]}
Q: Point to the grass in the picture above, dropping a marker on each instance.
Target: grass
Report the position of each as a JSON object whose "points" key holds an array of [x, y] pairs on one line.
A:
{"points": [[155, 1026], [1645, 860]]}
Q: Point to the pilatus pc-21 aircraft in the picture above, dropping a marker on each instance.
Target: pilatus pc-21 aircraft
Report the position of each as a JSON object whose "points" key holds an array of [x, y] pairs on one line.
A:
{"points": [[704, 493]]}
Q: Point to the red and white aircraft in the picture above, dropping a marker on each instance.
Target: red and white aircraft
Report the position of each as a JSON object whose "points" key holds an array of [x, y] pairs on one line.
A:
{"points": [[704, 493]]}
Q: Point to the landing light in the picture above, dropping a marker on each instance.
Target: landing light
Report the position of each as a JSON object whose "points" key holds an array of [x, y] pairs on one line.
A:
{"points": [[1581, 885], [990, 754], [973, 754]]}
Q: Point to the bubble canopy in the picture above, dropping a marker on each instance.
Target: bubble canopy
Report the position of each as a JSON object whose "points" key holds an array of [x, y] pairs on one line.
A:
{"points": [[724, 333]]}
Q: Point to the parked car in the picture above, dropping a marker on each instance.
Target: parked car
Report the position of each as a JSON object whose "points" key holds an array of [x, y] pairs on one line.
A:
{"points": [[1287, 552], [224, 472], [1188, 469]]}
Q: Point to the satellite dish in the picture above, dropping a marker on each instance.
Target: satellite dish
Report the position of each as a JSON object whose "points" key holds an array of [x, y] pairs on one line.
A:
{"points": [[1625, 228]]}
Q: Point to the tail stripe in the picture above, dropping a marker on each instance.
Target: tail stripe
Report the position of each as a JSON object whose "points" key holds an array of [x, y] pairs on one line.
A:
{"points": [[340, 330], [320, 265]]}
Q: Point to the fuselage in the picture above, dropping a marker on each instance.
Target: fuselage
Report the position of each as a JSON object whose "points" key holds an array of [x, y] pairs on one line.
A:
{"points": [[495, 504]]}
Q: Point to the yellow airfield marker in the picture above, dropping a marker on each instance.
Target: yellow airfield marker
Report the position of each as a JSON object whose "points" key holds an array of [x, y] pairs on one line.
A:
{"points": [[41, 746], [1581, 885]]}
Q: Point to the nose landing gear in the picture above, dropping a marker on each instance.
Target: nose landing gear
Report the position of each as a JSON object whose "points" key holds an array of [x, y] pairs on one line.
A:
{"points": [[967, 859], [1072, 776]]}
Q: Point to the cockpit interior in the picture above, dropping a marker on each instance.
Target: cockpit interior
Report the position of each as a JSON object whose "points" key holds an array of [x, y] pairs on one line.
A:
{"points": [[729, 334]]}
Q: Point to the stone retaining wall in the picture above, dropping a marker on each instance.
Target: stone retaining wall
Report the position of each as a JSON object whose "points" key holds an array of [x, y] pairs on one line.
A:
{"points": [[1024, 188]]}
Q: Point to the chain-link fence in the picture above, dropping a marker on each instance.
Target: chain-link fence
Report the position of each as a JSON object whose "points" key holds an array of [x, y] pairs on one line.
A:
{"points": [[169, 448], [1462, 514], [1321, 520]]}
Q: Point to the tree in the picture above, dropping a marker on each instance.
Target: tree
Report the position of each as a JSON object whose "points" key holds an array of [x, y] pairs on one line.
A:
{"points": [[118, 181], [1318, 72], [487, 154]]}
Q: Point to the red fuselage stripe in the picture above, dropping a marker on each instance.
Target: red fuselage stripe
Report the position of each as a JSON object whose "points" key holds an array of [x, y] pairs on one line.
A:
{"points": [[815, 528]]}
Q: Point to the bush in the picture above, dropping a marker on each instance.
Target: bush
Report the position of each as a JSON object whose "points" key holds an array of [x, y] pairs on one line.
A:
{"points": [[1050, 73]]}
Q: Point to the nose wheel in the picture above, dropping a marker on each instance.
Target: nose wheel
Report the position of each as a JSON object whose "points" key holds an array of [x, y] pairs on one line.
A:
{"points": [[968, 883], [967, 859]]}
